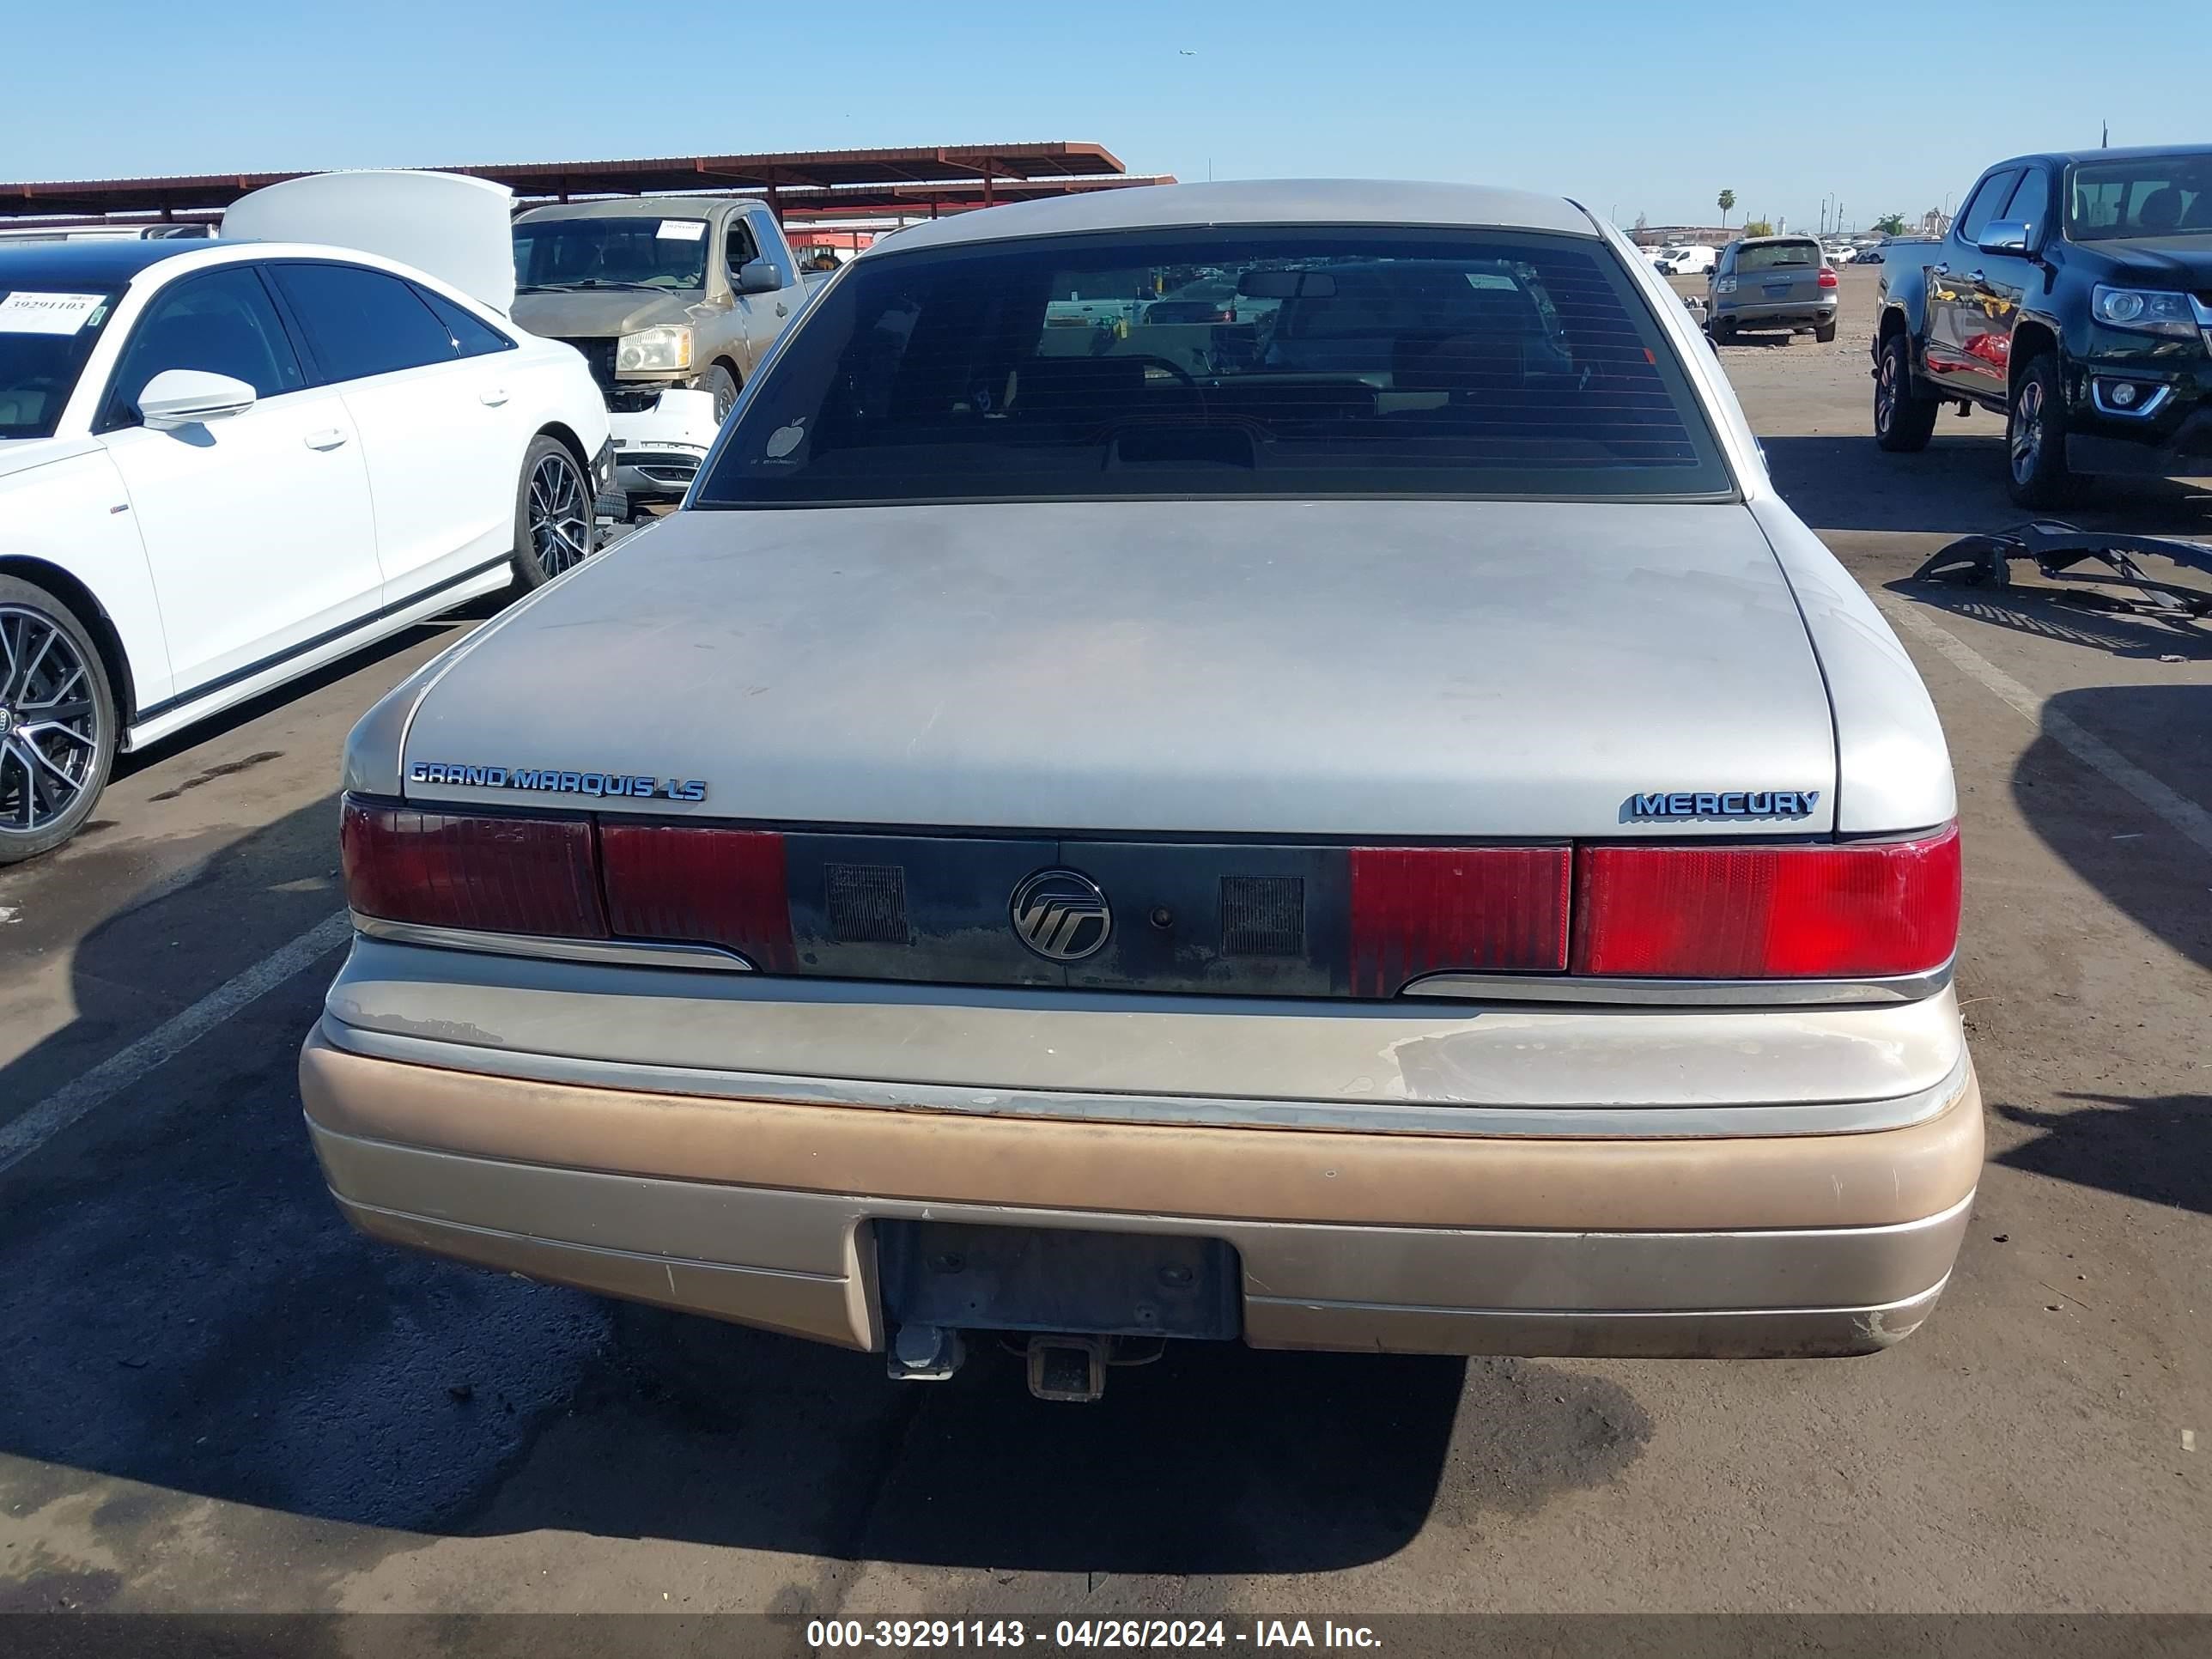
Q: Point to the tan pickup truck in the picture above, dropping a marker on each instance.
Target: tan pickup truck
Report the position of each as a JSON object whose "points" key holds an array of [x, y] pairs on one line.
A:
{"points": [[672, 300]]}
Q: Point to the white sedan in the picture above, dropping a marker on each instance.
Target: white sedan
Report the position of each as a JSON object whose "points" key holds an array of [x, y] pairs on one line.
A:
{"points": [[225, 463]]}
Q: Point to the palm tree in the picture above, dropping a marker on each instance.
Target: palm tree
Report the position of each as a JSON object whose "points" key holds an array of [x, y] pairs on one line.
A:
{"points": [[1727, 201]]}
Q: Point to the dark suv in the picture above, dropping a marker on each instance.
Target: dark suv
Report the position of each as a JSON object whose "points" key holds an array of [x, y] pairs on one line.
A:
{"points": [[2074, 294]]}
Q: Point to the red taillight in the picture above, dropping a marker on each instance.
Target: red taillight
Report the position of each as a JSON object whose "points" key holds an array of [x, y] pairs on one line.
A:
{"points": [[1814, 912], [1827, 277], [494, 875], [1418, 910], [700, 883]]}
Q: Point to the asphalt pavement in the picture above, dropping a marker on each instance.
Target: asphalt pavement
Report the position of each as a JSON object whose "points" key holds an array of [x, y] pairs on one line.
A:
{"points": [[213, 1397]]}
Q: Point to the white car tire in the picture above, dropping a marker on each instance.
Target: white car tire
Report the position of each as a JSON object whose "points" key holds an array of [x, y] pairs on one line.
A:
{"points": [[555, 527], [58, 726]]}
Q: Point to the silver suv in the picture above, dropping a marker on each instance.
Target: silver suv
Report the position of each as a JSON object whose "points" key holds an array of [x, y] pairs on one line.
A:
{"points": [[1772, 282]]}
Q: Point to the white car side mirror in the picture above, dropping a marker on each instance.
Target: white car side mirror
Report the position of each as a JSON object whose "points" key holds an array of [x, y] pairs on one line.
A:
{"points": [[185, 397]]}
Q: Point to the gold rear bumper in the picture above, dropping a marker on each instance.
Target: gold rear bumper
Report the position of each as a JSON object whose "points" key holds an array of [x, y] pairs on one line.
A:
{"points": [[762, 1211]]}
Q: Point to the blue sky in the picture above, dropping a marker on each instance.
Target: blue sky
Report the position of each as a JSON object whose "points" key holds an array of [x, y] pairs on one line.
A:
{"points": [[1627, 106]]}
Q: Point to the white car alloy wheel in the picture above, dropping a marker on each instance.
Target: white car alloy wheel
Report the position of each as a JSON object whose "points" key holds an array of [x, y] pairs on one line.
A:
{"points": [[560, 512], [52, 736]]}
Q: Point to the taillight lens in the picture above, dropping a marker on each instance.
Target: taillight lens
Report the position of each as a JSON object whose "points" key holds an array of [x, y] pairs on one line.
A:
{"points": [[494, 875], [700, 884], [1817, 911], [1827, 279], [1418, 910]]}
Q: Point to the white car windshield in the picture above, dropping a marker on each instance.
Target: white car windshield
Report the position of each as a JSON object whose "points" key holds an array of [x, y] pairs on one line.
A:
{"points": [[1320, 362], [47, 330]]}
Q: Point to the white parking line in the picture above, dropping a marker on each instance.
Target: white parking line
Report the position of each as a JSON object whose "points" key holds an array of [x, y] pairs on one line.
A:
{"points": [[91, 1089], [2077, 740]]}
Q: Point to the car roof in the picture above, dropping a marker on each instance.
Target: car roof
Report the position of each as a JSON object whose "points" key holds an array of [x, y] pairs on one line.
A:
{"points": [[1269, 202], [93, 264], [1786, 236], [2132, 153], [636, 207]]}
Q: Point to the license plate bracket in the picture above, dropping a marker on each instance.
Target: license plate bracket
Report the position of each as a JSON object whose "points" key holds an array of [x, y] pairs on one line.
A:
{"points": [[1058, 1280]]}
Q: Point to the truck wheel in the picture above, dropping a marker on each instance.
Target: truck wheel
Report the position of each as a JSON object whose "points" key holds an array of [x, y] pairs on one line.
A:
{"points": [[554, 528], [1724, 332], [723, 385], [58, 722], [1903, 416], [2035, 435]]}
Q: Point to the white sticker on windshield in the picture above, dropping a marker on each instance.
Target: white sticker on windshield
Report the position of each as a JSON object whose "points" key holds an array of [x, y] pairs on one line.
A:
{"points": [[681, 230], [23, 312]]}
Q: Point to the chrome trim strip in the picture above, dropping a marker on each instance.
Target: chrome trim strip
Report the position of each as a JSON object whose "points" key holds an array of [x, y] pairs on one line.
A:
{"points": [[2141, 412], [1924, 1224], [626, 952], [1600, 1314], [1682, 992], [1467, 987], [595, 1246], [1372, 1117], [1600, 1317]]}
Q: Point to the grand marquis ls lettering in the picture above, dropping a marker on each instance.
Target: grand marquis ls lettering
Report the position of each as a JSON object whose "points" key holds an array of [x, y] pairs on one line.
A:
{"points": [[555, 781], [1305, 922]]}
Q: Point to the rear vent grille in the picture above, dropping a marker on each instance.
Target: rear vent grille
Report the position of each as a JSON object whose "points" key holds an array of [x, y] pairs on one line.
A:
{"points": [[867, 904], [1263, 916]]}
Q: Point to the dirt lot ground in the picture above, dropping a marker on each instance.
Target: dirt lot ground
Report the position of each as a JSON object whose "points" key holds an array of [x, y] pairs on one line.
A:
{"points": [[213, 1397]]}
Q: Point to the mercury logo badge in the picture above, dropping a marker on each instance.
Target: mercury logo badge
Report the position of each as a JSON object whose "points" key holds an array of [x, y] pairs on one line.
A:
{"points": [[1062, 915], [1723, 804]]}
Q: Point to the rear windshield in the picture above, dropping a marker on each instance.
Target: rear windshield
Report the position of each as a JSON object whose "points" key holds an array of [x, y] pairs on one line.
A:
{"points": [[46, 334], [1309, 363], [1772, 255], [2148, 197]]}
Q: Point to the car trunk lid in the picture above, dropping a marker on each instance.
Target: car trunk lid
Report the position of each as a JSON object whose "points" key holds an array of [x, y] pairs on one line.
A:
{"points": [[1336, 670], [1260, 748]]}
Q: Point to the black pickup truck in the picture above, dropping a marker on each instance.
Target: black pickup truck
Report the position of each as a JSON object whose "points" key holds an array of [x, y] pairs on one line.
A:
{"points": [[2073, 296]]}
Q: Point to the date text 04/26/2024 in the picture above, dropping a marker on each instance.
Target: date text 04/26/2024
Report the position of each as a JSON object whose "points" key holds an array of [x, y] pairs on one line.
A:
{"points": [[921, 1635]]}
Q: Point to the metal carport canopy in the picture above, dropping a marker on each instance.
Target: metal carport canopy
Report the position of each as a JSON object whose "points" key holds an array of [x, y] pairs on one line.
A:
{"points": [[979, 167]]}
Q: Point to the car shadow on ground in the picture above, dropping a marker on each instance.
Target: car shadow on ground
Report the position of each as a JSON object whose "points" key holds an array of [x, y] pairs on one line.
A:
{"points": [[1215, 1459], [182, 1307], [2153, 1146], [2144, 865], [2041, 611], [1956, 487]]}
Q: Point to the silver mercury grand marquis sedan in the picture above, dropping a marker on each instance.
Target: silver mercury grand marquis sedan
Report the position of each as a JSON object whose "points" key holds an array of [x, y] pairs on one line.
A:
{"points": [[1356, 821]]}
